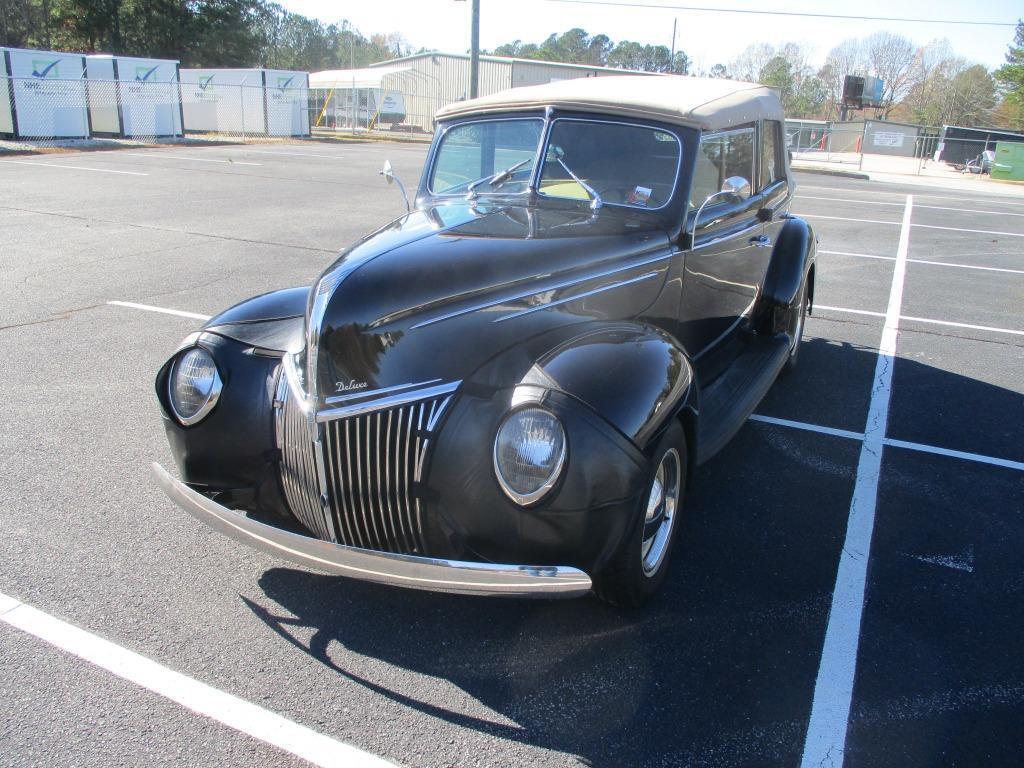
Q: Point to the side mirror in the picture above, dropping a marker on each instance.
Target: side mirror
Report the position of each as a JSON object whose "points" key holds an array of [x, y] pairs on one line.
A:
{"points": [[389, 176], [736, 186]]}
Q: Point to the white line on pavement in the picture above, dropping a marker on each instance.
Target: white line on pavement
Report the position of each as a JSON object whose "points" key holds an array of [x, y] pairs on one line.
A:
{"points": [[162, 310], [850, 311], [928, 320], [955, 454], [910, 446], [974, 231], [844, 218], [925, 261], [963, 325], [966, 266], [73, 167], [808, 427], [833, 689], [917, 206], [859, 255], [236, 713], [158, 154]]}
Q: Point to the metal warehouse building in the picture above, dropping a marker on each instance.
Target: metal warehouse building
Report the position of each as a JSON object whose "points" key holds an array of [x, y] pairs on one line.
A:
{"points": [[407, 92]]}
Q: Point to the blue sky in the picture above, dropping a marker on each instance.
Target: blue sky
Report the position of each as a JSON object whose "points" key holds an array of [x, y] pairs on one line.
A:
{"points": [[707, 37]]}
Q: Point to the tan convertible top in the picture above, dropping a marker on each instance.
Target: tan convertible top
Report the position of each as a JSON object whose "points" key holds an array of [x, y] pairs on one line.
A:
{"points": [[698, 102]]}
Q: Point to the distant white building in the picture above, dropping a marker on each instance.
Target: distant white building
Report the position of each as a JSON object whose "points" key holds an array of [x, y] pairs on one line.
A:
{"points": [[408, 91]]}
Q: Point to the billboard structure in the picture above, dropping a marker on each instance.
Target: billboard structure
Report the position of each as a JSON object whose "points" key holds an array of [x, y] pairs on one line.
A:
{"points": [[272, 102], [45, 95], [861, 92], [134, 97]]}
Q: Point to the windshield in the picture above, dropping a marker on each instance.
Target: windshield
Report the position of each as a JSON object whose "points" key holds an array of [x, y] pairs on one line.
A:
{"points": [[630, 165], [481, 150]]}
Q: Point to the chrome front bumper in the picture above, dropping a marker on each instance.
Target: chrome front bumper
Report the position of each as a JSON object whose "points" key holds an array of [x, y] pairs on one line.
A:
{"points": [[427, 573]]}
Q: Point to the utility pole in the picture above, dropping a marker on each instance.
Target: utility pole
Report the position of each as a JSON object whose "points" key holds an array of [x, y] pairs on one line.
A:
{"points": [[672, 56], [474, 52]]}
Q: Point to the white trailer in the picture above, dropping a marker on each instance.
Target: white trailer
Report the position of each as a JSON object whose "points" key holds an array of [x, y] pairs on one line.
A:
{"points": [[255, 101], [45, 95], [130, 96]]}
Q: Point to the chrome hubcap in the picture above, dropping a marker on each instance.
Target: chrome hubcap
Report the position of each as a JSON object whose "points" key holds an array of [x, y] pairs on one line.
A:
{"points": [[798, 332], [660, 515]]}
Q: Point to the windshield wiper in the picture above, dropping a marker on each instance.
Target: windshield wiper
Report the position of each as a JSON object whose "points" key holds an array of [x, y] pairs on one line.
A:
{"points": [[596, 201], [495, 179]]}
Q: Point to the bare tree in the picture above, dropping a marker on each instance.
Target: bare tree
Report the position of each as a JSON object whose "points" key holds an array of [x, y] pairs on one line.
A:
{"points": [[891, 58], [748, 65]]}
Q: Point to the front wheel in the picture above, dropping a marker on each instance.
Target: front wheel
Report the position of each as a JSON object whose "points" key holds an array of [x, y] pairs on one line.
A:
{"points": [[637, 570]]}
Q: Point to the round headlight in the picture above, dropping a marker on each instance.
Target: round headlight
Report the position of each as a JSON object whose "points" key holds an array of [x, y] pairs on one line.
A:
{"points": [[194, 385], [529, 452]]}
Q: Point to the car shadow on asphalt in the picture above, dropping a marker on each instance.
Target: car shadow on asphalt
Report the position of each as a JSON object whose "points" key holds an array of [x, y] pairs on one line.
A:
{"points": [[718, 669]]}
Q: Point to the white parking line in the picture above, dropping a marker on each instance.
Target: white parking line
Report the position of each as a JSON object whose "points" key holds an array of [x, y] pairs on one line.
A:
{"points": [[917, 206], [963, 325], [808, 427], [928, 320], [972, 231], [243, 716], [844, 218], [955, 454], [73, 167], [158, 154], [162, 310], [925, 261], [890, 442], [833, 689]]}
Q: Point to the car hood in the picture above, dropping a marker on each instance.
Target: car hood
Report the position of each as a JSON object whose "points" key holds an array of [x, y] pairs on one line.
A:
{"points": [[438, 292]]}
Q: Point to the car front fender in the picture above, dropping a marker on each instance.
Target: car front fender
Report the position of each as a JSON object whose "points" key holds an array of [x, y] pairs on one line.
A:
{"points": [[792, 258]]}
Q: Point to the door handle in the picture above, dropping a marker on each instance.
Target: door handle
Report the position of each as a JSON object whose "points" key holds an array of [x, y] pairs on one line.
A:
{"points": [[761, 241]]}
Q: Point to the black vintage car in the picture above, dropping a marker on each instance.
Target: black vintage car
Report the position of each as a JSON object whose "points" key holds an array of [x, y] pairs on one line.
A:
{"points": [[508, 389]]}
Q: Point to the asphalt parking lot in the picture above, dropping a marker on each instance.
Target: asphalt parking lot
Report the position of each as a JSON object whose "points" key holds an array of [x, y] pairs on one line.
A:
{"points": [[848, 587]]}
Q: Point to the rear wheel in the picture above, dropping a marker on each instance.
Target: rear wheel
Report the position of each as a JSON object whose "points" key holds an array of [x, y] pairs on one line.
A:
{"points": [[637, 570], [796, 328]]}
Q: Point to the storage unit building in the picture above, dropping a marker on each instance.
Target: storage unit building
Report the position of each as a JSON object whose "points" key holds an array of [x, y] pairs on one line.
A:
{"points": [[134, 97], [1009, 161], [45, 95], [413, 88], [259, 101]]}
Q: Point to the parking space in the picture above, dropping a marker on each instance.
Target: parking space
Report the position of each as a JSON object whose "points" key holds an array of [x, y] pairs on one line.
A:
{"points": [[723, 669]]}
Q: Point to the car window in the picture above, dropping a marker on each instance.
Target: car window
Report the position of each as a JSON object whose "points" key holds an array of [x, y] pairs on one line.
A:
{"points": [[772, 167], [472, 151], [720, 156], [631, 165]]}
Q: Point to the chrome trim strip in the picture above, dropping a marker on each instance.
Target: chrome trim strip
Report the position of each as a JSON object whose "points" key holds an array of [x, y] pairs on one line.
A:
{"points": [[374, 392], [535, 291], [575, 297], [730, 236], [330, 414], [434, 574]]}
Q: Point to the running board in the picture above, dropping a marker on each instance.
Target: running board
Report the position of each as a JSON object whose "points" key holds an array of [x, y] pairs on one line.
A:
{"points": [[733, 396]]}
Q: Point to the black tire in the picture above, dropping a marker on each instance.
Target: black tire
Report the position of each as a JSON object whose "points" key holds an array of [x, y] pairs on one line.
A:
{"points": [[796, 327], [624, 582]]}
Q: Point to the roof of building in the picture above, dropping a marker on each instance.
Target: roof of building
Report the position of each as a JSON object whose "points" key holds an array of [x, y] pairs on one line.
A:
{"points": [[353, 78], [705, 103], [506, 59]]}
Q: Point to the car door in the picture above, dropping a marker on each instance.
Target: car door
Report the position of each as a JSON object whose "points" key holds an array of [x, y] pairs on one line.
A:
{"points": [[774, 184], [725, 265]]}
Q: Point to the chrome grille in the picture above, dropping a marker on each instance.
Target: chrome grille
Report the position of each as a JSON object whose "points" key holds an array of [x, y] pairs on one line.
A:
{"points": [[372, 461], [299, 477]]}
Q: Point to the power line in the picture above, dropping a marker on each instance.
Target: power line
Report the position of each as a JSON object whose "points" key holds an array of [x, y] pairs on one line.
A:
{"points": [[784, 13]]}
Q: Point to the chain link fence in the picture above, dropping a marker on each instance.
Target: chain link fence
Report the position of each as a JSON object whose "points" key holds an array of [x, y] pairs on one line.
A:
{"points": [[378, 111], [41, 112]]}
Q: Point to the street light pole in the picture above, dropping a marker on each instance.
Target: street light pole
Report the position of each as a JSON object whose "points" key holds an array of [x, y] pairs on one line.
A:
{"points": [[474, 52]]}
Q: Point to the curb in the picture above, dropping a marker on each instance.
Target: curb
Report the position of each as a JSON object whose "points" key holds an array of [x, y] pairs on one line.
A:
{"points": [[831, 172]]}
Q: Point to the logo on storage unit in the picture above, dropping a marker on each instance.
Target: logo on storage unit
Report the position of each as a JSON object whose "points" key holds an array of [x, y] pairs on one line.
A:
{"points": [[45, 69], [142, 74]]}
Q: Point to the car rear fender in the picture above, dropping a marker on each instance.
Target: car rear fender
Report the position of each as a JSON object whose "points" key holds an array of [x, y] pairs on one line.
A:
{"points": [[792, 259]]}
